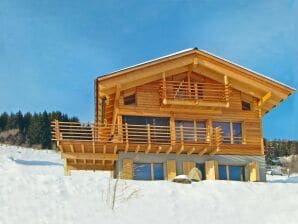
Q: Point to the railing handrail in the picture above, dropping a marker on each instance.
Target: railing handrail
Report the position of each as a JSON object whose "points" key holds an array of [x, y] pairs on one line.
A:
{"points": [[130, 133]]}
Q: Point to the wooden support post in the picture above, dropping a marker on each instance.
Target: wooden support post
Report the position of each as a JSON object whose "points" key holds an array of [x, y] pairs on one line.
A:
{"points": [[164, 88], [172, 130], [196, 90], [66, 169], [148, 139], [195, 131], [227, 91], [126, 138], [104, 152]]}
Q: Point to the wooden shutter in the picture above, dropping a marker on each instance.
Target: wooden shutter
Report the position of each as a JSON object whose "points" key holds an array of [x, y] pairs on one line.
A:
{"points": [[127, 169], [187, 166], [211, 168], [171, 169], [254, 171]]}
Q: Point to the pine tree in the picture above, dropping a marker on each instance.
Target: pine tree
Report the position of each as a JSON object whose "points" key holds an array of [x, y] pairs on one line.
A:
{"points": [[45, 131]]}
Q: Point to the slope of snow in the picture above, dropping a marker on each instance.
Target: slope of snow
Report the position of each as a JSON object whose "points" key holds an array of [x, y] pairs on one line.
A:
{"points": [[33, 189]]}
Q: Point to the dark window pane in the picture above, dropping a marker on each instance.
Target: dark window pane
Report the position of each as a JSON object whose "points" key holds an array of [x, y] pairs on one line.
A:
{"points": [[131, 99], [222, 172], [245, 105], [158, 171], [201, 167], [226, 130], [142, 171], [235, 172], [188, 130], [237, 133], [201, 131]]}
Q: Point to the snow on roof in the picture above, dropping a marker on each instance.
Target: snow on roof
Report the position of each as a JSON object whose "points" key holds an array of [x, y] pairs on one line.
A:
{"points": [[204, 51]]}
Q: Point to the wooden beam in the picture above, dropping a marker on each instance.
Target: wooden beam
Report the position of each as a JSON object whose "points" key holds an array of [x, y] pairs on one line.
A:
{"points": [[159, 150], [90, 167], [170, 149], [148, 148], [191, 151], [94, 156], [266, 97], [180, 150], [138, 148], [203, 151], [116, 108]]}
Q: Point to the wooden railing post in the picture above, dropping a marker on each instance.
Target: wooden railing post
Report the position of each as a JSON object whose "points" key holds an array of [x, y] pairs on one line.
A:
{"points": [[181, 134], [57, 132], [195, 131], [196, 90], [126, 133], [148, 134]]}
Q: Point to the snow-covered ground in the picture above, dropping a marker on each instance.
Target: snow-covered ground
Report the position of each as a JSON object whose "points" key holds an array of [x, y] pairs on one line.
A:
{"points": [[33, 189]]}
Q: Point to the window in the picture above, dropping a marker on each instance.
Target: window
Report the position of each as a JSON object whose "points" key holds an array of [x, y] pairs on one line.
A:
{"points": [[148, 171], [192, 131], [245, 105], [130, 100], [231, 131], [228, 172]]}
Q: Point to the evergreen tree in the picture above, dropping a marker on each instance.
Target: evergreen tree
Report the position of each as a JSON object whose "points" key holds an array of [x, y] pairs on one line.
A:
{"points": [[3, 121], [45, 131]]}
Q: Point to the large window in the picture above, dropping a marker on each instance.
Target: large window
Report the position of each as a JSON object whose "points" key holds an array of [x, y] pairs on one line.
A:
{"points": [[190, 131], [228, 172], [231, 131], [148, 171]]}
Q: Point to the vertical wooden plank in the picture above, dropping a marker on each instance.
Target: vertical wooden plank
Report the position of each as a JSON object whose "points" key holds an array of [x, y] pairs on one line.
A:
{"points": [[211, 168], [254, 171], [187, 167], [172, 130], [171, 169], [127, 166], [232, 133]]}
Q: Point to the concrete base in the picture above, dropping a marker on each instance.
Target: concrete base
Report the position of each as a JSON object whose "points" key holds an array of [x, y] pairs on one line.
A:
{"points": [[222, 159]]}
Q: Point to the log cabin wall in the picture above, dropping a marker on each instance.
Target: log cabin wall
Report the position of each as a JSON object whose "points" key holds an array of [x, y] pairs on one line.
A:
{"points": [[148, 103]]}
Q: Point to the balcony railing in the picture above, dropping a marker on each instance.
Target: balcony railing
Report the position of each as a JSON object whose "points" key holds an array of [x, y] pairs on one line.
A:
{"points": [[182, 92], [139, 134]]}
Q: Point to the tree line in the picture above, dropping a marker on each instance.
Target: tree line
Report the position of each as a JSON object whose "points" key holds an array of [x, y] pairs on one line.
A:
{"points": [[32, 128], [279, 148]]}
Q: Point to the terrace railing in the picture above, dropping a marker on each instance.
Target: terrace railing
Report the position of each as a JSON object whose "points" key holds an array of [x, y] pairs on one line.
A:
{"points": [[177, 92], [139, 134]]}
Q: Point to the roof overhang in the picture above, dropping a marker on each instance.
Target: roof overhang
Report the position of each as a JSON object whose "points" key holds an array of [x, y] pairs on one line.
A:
{"points": [[269, 92]]}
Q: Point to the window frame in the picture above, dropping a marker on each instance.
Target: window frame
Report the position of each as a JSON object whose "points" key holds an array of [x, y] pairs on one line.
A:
{"points": [[232, 140], [152, 170], [195, 137]]}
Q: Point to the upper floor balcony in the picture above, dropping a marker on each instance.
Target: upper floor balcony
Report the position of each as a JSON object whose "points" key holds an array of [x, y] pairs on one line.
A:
{"points": [[194, 93], [141, 138]]}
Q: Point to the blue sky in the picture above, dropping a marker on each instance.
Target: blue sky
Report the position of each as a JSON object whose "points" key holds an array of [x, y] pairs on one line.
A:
{"points": [[51, 51]]}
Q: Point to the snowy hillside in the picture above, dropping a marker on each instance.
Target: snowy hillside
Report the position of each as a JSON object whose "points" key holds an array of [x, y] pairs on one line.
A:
{"points": [[33, 189]]}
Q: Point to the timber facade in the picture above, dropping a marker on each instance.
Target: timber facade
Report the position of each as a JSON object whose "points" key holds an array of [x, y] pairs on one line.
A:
{"points": [[161, 118]]}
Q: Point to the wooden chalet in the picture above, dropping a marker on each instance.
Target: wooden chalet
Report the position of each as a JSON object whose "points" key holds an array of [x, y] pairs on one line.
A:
{"points": [[163, 117]]}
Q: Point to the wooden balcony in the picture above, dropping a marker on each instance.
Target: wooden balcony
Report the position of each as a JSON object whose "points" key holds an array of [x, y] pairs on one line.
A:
{"points": [[96, 146], [194, 93]]}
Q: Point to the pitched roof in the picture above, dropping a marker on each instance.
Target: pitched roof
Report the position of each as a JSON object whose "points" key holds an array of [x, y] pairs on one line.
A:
{"points": [[244, 79]]}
